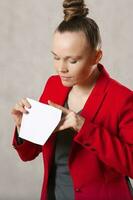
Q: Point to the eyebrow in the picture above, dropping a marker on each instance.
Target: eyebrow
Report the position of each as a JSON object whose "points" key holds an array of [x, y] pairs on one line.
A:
{"points": [[53, 53], [66, 56]]}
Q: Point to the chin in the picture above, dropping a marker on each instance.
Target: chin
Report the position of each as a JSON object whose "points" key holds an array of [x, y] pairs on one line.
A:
{"points": [[67, 84]]}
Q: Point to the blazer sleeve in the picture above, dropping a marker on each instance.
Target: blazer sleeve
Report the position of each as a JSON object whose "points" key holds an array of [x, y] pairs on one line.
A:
{"points": [[27, 150], [114, 151]]}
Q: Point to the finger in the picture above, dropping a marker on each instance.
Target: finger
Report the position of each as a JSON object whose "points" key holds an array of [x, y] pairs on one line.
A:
{"points": [[65, 123], [69, 122], [18, 110], [64, 110], [71, 114], [25, 102], [63, 127]]}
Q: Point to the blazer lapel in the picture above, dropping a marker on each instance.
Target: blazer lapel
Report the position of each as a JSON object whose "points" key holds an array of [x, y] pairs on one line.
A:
{"points": [[97, 95]]}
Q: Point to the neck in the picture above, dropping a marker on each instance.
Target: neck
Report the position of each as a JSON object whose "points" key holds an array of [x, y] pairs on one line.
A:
{"points": [[87, 85]]}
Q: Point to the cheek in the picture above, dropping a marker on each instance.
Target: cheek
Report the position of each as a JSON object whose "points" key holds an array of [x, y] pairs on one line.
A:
{"points": [[81, 70], [56, 65]]}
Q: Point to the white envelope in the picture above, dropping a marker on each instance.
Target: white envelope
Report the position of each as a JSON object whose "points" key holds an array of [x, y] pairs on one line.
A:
{"points": [[39, 124]]}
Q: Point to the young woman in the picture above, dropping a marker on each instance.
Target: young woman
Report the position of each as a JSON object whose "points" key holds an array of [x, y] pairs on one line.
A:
{"points": [[90, 154]]}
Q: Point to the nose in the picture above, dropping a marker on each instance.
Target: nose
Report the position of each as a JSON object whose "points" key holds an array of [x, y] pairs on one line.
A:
{"points": [[63, 67]]}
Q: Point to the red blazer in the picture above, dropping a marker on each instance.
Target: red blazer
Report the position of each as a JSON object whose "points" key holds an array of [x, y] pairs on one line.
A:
{"points": [[102, 151]]}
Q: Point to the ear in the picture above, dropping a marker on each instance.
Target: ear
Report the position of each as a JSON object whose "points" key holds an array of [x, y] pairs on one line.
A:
{"points": [[98, 56]]}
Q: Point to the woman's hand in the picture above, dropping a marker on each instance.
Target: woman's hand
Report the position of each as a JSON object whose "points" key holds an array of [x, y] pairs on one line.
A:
{"points": [[70, 119], [18, 110]]}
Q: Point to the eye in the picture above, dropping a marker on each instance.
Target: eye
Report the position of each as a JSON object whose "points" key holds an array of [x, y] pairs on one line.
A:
{"points": [[56, 58], [73, 61]]}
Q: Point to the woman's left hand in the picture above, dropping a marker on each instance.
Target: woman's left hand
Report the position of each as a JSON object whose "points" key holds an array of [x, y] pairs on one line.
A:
{"points": [[70, 119]]}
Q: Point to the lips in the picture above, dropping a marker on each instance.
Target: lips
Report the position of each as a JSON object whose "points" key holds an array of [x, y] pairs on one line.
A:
{"points": [[65, 78]]}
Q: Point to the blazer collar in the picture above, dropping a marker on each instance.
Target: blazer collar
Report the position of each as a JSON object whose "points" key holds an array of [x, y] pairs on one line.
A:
{"points": [[97, 95]]}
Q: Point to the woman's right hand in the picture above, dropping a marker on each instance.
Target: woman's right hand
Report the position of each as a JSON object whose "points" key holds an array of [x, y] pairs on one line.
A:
{"points": [[18, 110]]}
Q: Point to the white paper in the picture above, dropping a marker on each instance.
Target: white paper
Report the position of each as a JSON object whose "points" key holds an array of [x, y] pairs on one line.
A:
{"points": [[41, 121]]}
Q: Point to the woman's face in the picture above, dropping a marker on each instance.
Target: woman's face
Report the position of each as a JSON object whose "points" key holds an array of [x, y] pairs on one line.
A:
{"points": [[73, 58]]}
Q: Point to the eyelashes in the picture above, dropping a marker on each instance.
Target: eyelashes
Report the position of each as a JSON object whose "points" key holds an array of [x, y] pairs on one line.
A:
{"points": [[73, 62], [55, 58], [70, 61]]}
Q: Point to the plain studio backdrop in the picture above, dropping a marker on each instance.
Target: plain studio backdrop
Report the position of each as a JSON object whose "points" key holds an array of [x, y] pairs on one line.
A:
{"points": [[26, 28]]}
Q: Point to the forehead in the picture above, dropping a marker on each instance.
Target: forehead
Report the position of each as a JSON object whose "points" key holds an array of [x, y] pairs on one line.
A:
{"points": [[70, 42]]}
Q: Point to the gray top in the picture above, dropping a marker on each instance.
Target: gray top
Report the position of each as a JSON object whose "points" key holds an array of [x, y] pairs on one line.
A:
{"points": [[60, 181]]}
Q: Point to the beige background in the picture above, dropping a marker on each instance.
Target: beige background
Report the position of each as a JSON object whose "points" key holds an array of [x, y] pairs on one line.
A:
{"points": [[26, 28]]}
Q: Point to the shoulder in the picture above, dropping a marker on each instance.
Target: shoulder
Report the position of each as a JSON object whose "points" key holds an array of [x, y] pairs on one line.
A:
{"points": [[119, 89], [115, 87], [52, 85], [52, 79], [120, 93]]}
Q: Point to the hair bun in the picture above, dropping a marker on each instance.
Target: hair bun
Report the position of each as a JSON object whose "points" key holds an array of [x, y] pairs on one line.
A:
{"points": [[74, 8]]}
